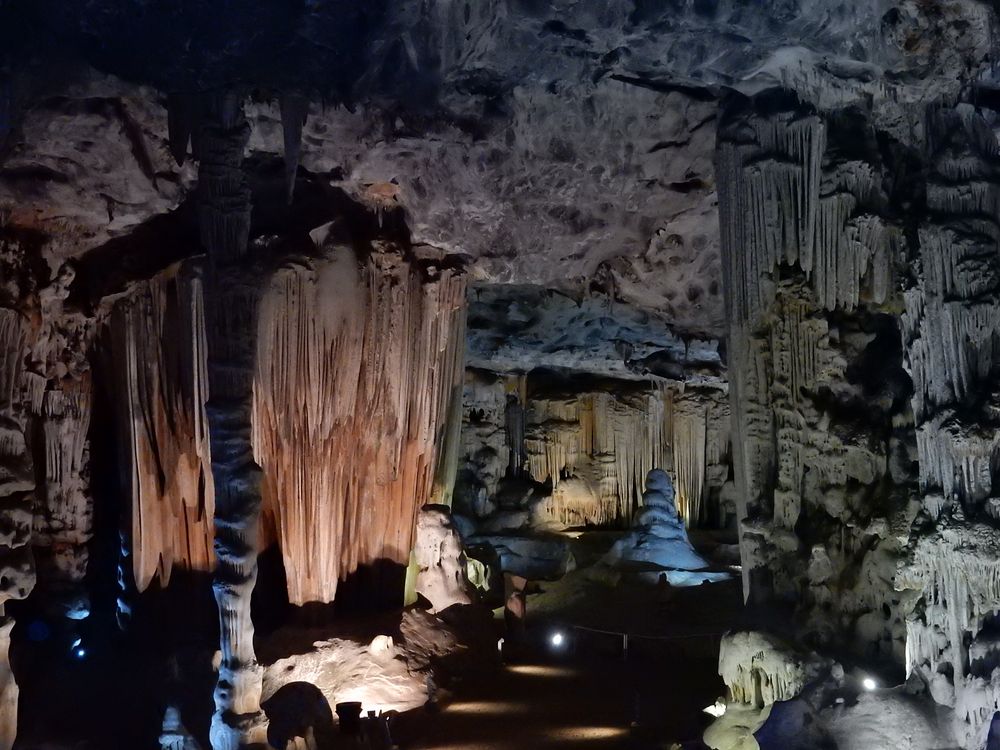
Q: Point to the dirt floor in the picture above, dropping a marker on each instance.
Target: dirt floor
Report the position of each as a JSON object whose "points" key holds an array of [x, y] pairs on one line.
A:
{"points": [[591, 693], [574, 702]]}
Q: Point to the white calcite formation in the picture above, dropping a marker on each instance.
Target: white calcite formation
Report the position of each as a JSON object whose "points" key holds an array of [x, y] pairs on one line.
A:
{"points": [[439, 560], [658, 545], [817, 383], [951, 327], [759, 669]]}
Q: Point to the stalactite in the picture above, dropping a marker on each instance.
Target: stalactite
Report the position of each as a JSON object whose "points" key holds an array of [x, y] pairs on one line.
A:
{"points": [[294, 109], [619, 437], [516, 389], [157, 357], [690, 444], [801, 238], [17, 575], [768, 207], [64, 519], [356, 368], [607, 443]]}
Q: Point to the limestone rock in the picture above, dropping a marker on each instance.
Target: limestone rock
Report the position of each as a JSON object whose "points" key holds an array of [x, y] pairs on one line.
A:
{"points": [[440, 560]]}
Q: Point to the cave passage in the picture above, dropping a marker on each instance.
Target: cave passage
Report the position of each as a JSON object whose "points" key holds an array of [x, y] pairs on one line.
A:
{"points": [[514, 374]]}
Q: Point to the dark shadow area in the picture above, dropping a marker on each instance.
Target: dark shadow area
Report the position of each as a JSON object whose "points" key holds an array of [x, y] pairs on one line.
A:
{"points": [[294, 710]]}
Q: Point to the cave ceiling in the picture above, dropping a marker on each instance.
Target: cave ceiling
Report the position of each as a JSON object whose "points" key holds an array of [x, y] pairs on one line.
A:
{"points": [[566, 145]]}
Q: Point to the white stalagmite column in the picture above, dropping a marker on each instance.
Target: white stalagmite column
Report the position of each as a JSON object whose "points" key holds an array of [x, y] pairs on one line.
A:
{"points": [[231, 303], [17, 571]]}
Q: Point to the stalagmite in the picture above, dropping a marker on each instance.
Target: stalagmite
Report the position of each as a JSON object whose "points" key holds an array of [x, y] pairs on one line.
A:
{"points": [[759, 670], [657, 546], [439, 560]]}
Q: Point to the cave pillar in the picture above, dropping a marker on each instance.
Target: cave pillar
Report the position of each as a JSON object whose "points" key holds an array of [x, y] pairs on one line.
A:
{"points": [[231, 305]]}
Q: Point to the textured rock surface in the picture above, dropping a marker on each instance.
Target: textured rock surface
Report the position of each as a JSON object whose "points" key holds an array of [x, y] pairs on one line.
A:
{"points": [[817, 385], [325, 405], [573, 152], [440, 560], [575, 451], [90, 161]]}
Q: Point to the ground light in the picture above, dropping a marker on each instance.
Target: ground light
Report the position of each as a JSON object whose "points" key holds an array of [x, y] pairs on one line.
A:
{"points": [[557, 639], [868, 683], [717, 709]]}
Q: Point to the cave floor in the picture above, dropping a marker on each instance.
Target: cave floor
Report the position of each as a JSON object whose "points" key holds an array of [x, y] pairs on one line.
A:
{"points": [[573, 702], [590, 693]]}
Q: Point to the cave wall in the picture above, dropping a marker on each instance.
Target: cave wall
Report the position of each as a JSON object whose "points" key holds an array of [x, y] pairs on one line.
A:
{"points": [[861, 277], [819, 395], [357, 361], [586, 445], [951, 331]]}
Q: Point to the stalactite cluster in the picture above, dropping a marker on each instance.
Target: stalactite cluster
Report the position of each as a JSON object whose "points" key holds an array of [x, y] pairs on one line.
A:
{"points": [[951, 331], [594, 446], [809, 251], [17, 484], [357, 367], [156, 355], [358, 361]]}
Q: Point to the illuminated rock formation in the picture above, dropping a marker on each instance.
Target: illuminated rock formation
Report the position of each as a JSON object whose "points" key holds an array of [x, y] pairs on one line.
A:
{"points": [[17, 484], [439, 560], [593, 444], [157, 357], [951, 328], [817, 386], [358, 361], [61, 405], [658, 544], [357, 366]]}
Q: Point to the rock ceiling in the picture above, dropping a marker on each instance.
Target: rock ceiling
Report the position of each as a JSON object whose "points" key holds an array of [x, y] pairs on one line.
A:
{"points": [[561, 144]]}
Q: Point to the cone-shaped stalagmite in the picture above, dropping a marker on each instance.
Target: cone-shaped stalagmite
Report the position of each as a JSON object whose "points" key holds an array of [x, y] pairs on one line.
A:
{"points": [[231, 301]]}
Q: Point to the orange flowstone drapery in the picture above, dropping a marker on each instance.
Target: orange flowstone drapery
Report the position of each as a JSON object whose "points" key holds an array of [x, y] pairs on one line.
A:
{"points": [[157, 346], [357, 362]]}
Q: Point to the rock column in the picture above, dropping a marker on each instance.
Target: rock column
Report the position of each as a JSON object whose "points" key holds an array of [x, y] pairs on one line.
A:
{"points": [[231, 305]]}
